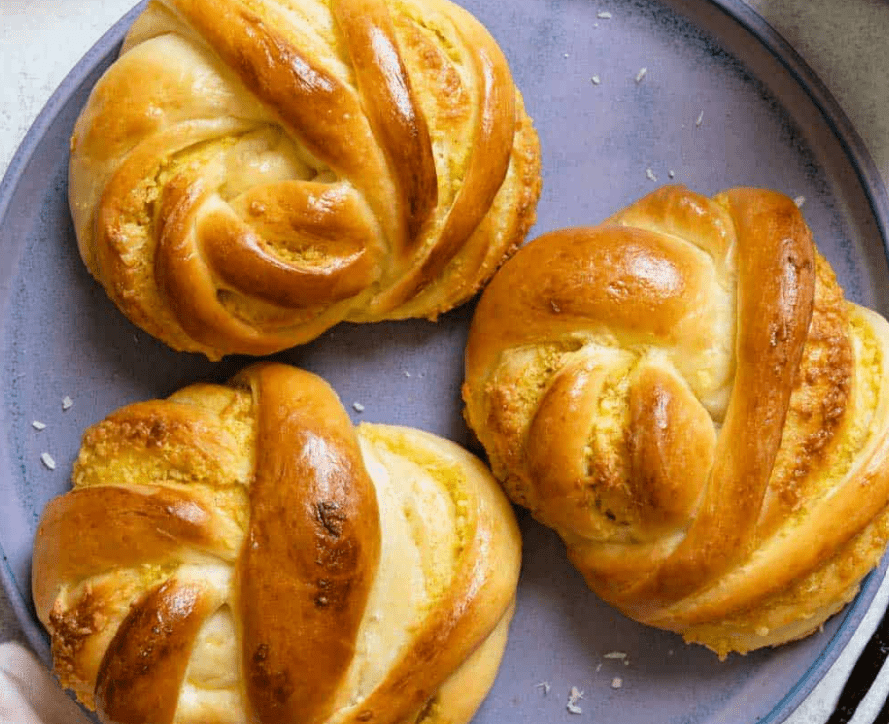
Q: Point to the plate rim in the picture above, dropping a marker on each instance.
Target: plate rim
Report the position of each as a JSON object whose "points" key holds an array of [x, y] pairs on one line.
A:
{"points": [[869, 178], [19, 162]]}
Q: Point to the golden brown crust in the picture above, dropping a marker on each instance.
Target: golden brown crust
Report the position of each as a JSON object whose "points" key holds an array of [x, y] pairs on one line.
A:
{"points": [[248, 174], [311, 550], [684, 394], [385, 84], [145, 662], [239, 553]]}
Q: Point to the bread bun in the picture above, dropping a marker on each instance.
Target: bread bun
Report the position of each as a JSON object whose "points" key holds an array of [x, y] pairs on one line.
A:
{"points": [[683, 393], [239, 554], [248, 174]]}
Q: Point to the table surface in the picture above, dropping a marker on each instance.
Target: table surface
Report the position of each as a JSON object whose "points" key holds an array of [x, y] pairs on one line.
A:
{"points": [[41, 40]]}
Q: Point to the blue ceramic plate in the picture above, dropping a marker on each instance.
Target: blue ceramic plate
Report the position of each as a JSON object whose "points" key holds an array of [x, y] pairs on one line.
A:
{"points": [[724, 102]]}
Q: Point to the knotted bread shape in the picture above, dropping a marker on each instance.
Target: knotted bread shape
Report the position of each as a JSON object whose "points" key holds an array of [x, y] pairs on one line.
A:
{"points": [[249, 173], [685, 396], [237, 554]]}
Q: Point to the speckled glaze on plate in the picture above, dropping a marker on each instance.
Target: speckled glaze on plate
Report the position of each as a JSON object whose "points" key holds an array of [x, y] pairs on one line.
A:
{"points": [[724, 101]]}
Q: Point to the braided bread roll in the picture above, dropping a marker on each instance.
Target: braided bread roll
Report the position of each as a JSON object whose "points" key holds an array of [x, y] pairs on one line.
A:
{"points": [[684, 395], [238, 554], [248, 174]]}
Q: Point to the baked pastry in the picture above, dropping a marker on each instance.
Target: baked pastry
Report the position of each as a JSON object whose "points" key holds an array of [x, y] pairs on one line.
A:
{"points": [[685, 396], [237, 553], [249, 173]]}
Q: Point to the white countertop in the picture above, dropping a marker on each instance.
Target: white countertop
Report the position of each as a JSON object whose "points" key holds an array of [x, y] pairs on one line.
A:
{"points": [[844, 42]]}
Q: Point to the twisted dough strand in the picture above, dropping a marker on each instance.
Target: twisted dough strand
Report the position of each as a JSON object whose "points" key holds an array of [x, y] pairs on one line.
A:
{"points": [[686, 397]]}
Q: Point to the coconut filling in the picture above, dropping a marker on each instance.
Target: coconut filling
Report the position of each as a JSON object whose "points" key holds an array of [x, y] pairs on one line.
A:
{"points": [[211, 689], [418, 549]]}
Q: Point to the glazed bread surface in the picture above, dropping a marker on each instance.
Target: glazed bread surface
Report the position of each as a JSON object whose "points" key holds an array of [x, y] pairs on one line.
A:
{"points": [[250, 172], [683, 393], [241, 553]]}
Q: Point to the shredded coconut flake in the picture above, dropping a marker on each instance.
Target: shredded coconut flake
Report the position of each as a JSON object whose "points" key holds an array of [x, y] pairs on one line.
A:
{"points": [[598, 667], [617, 682], [615, 655], [799, 201], [47, 460], [604, 14], [545, 686], [671, 173], [67, 402], [37, 425], [649, 174], [596, 80], [358, 407], [700, 119], [575, 696], [641, 74], [407, 374]]}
